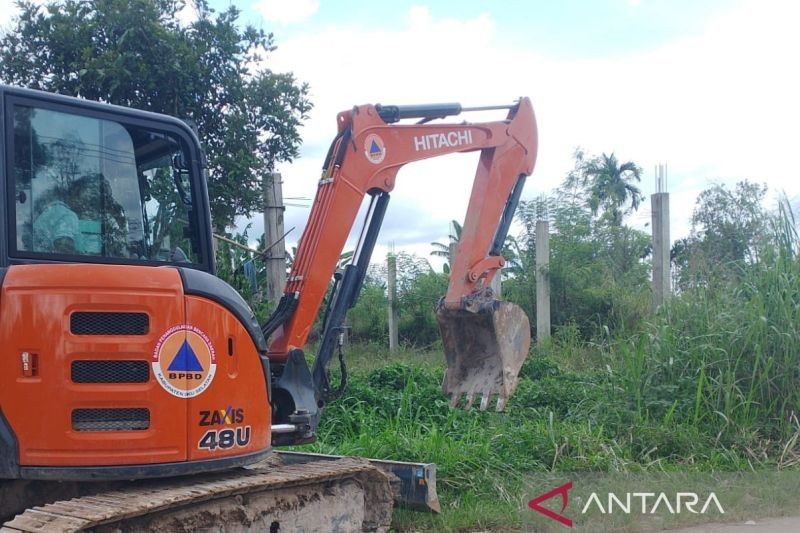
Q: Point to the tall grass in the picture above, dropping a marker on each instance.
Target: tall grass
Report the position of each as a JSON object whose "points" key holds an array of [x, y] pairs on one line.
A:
{"points": [[710, 383], [726, 358]]}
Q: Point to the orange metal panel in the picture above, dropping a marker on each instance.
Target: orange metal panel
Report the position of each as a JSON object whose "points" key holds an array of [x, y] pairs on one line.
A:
{"points": [[35, 309], [233, 415]]}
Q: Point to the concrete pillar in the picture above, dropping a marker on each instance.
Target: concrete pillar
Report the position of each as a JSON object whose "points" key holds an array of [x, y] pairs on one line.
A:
{"points": [[661, 248], [542, 281], [391, 268], [275, 257]]}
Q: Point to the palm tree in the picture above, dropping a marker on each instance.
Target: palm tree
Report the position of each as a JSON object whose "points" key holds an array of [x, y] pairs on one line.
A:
{"points": [[511, 249], [611, 186], [443, 250]]}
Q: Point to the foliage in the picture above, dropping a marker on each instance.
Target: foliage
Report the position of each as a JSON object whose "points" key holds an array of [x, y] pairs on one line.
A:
{"points": [[611, 185], [419, 288], [727, 356], [443, 250], [368, 319], [137, 53], [231, 261], [727, 229], [598, 276]]}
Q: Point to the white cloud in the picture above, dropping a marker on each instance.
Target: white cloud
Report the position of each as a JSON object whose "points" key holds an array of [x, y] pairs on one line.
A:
{"points": [[721, 105], [188, 14], [9, 12], [287, 12]]}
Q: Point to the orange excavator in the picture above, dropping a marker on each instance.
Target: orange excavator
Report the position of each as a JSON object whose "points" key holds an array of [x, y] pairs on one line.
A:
{"points": [[126, 358]]}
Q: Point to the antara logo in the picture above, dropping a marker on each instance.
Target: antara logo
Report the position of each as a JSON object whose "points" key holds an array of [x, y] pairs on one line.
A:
{"points": [[562, 491], [627, 503]]}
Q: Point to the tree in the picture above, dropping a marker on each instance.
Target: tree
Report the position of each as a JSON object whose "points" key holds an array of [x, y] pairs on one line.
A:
{"points": [[136, 53], [728, 227], [597, 273], [727, 223], [611, 185], [443, 250]]}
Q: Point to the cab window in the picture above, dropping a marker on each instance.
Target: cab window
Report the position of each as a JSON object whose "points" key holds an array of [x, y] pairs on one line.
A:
{"points": [[91, 187]]}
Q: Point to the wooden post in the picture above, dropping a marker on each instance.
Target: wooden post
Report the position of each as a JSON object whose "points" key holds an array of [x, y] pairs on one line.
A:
{"points": [[275, 257], [542, 281], [391, 268]]}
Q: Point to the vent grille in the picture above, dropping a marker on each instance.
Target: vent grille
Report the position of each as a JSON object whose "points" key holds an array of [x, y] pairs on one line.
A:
{"points": [[133, 419], [104, 323], [110, 371]]}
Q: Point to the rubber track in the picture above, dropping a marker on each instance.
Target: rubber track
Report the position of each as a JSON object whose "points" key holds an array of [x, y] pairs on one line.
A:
{"points": [[79, 514]]}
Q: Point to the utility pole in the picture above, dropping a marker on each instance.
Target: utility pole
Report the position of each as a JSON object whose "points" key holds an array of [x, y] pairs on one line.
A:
{"points": [[661, 242], [275, 256], [391, 268], [542, 281]]}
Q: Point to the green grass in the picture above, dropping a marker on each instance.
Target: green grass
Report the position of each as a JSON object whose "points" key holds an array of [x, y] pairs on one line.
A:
{"points": [[558, 420], [708, 385]]}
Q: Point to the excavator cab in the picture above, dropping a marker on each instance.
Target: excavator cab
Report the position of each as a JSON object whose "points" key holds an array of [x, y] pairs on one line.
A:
{"points": [[124, 356]]}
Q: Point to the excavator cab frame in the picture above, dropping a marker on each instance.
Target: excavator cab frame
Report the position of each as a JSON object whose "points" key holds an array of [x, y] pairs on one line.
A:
{"points": [[137, 124], [84, 391]]}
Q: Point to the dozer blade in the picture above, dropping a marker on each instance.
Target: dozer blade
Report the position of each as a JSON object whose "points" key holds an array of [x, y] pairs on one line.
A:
{"points": [[485, 348]]}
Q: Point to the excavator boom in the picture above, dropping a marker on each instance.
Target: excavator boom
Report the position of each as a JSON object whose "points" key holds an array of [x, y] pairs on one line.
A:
{"points": [[485, 340]]}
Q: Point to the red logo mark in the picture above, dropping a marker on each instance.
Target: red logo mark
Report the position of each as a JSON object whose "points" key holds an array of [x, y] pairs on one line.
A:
{"points": [[562, 491]]}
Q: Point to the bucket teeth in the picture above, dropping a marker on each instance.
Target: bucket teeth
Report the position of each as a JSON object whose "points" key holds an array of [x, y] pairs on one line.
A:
{"points": [[485, 349], [501, 404], [485, 402], [486, 398]]}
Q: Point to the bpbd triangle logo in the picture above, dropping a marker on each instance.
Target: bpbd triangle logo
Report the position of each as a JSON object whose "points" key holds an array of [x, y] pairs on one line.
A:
{"points": [[374, 148], [184, 361]]}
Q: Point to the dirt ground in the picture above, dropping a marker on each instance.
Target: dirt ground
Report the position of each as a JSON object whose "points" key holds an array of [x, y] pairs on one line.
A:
{"points": [[771, 525]]}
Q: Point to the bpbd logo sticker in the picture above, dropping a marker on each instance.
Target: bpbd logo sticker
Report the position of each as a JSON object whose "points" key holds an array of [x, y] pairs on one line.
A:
{"points": [[184, 361], [374, 149]]}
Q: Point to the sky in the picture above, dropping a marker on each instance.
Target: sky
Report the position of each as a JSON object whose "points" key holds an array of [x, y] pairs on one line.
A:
{"points": [[708, 87]]}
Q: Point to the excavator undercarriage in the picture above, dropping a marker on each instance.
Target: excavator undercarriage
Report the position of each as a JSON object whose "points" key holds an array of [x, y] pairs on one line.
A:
{"points": [[289, 491]]}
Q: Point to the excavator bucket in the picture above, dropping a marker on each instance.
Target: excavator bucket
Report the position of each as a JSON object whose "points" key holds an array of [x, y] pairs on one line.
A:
{"points": [[485, 346]]}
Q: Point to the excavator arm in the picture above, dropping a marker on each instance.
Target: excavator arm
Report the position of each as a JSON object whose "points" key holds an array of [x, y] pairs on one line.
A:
{"points": [[369, 149]]}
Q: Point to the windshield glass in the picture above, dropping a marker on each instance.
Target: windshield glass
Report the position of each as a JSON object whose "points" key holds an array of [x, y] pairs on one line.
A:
{"points": [[92, 187]]}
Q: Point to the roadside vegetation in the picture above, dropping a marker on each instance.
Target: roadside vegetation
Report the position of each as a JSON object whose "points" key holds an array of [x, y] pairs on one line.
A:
{"points": [[708, 383]]}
